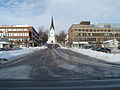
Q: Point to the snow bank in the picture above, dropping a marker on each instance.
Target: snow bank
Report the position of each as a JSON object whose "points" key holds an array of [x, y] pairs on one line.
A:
{"points": [[114, 58], [12, 55]]}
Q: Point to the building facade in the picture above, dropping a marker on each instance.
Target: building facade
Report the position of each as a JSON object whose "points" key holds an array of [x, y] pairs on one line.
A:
{"points": [[20, 35], [93, 34]]}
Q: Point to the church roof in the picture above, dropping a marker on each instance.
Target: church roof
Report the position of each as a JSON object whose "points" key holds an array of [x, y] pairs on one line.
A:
{"points": [[52, 24]]}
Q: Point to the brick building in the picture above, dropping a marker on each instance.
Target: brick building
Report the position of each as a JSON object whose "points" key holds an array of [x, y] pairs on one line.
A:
{"points": [[93, 33], [20, 35]]}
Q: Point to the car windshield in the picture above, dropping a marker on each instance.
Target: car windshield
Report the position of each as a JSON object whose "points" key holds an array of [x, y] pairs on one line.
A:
{"points": [[60, 40]]}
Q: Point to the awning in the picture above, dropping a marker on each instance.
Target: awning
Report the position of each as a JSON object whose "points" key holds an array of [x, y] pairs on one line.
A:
{"points": [[4, 42], [80, 43]]}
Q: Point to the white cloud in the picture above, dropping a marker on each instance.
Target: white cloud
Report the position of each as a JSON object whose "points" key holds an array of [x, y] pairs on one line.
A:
{"points": [[23, 7], [65, 12]]}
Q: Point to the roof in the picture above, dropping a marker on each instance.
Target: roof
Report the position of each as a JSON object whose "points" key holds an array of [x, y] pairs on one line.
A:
{"points": [[110, 41], [15, 26], [52, 24]]}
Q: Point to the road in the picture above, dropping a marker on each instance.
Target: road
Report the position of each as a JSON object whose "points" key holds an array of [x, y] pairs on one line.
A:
{"points": [[59, 64]]}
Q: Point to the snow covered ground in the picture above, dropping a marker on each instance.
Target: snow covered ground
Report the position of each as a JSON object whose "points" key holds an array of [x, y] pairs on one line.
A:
{"points": [[12, 55], [113, 58]]}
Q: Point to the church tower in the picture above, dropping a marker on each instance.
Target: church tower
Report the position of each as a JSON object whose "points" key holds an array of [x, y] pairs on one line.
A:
{"points": [[51, 38]]}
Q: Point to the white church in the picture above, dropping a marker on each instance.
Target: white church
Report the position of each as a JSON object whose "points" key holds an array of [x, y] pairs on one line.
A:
{"points": [[51, 38]]}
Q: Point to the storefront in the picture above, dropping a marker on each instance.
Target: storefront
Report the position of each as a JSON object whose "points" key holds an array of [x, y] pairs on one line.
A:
{"points": [[79, 44], [4, 43]]}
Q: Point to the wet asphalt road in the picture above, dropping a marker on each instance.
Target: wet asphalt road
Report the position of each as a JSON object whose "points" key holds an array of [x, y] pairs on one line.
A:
{"points": [[59, 64]]}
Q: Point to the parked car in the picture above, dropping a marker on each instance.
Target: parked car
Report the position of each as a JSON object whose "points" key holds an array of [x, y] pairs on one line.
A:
{"points": [[118, 47], [95, 48], [17, 48], [88, 47], [3, 49], [102, 49], [50, 46], [56, 45], [11, 49]]}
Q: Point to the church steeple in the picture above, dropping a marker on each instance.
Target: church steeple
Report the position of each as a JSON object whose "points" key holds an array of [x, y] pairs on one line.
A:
{"points": [[51, 38], [52, 24]]}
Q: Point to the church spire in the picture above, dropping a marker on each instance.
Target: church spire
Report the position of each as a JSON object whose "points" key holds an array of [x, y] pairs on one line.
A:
{"points": [[52, 24]]}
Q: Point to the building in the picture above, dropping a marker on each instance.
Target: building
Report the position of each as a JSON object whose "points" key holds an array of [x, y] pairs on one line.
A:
{"points": [[20, 35], [51, 38], [94, 34]]}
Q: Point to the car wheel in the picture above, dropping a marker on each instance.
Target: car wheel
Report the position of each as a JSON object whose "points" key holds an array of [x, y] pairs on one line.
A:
{"points": [[106, 51]]}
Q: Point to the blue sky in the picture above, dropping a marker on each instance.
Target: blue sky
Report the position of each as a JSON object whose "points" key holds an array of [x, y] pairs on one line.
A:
{"points": [[65, 12]]}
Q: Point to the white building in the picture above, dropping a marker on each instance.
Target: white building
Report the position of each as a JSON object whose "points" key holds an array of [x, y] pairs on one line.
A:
{"points": [[111, 43], [51, 38]]}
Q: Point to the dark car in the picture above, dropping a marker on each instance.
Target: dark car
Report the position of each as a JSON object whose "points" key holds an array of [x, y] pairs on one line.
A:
{"points": [[50, 46], [11, 49], [102, 49], [56, 45], [95, 48], [118, 47], [86, 47], [3, 49], [17, 48]]}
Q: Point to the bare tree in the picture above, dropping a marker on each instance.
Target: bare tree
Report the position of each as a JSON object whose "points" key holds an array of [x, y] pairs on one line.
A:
{"points": [[61, 37], [43, 33]]}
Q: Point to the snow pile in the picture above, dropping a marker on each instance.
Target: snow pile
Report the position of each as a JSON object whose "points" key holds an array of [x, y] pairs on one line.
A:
{"points": [[114, 58], [12, 55]]}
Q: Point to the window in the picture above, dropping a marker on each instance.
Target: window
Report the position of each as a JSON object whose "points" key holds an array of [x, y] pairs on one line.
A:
{"points": [[98, 30], [75, 29], [9, 29], [108, 30], [87, 34], [90, 30]]}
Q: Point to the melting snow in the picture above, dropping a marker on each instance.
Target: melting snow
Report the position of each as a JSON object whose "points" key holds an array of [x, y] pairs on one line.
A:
{"points": [[114, 58], [12, 55]]}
